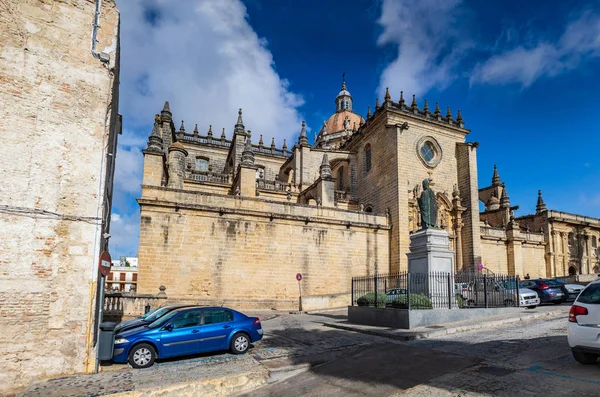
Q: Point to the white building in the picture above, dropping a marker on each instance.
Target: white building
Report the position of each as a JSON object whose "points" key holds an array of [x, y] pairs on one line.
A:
{"points": [[123, 275]]}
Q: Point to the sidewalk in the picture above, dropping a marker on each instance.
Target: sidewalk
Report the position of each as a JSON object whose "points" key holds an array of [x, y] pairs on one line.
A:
{"points": [[433, 331], [223, 375]]}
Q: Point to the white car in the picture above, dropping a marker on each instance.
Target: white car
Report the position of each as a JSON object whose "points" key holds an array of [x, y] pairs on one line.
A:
{"points": [[528, 298], [584, 325]]}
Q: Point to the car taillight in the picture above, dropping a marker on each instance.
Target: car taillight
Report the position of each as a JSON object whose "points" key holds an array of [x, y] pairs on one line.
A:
{"points": [[577, 311], [256, 321], [543, 285]]}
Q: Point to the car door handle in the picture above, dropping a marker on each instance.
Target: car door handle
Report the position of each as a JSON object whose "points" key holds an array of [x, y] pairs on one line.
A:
{"points": [[226, 326], [195, 331]]}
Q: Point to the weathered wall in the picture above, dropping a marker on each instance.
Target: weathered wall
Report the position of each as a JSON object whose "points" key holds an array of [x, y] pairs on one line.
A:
{"points": [[55, 126], [493, 256], [245, 259]]}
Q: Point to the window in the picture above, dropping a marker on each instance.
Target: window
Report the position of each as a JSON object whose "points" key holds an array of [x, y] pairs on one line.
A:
{"points": [[427, 152], [134, 277], [590, 295], [368, 158], [122, 276], [594, 242], [201, 164], [340, 178], [217, 316], [189, 319], [369, 209]]}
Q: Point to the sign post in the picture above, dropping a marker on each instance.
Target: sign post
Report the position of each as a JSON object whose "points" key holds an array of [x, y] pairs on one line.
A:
{"points": [[104, 263], [299, 278]]}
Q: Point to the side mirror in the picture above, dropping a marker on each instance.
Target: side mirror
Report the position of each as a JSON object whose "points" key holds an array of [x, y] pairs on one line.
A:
{"points": [[168, 327]]}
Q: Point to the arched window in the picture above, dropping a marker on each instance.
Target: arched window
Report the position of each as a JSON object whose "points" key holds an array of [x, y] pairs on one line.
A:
{"points": [[340, 178], [368, 208], [368, 157]]}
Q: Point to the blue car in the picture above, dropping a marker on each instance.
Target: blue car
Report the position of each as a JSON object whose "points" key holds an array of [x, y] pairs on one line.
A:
{"points": [[187, 331]]}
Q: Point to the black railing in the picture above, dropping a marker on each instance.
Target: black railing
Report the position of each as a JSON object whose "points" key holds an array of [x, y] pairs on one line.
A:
{"points": [[435, 290]]}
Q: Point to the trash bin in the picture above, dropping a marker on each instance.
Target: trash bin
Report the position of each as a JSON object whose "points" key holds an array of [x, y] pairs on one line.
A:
{"points": [[106, 340]]}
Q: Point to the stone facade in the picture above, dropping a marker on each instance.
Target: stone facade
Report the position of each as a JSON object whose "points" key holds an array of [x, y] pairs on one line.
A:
{"points": [[246, 217], [59, 129]]}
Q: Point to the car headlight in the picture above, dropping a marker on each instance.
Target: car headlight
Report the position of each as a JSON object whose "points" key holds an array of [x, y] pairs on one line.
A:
{"points": [[120, 341]]}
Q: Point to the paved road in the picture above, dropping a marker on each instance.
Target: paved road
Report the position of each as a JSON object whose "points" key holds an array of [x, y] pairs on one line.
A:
{"points": [[525, 359]]}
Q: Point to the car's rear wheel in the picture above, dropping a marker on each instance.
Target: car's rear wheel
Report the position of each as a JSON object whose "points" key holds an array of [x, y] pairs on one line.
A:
{"points": [[142, 356], [240, 343], [585, 358], [531, 307]]}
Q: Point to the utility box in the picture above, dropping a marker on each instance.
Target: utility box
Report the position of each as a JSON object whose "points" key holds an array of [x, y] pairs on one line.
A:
{"points": [[106, 340]]}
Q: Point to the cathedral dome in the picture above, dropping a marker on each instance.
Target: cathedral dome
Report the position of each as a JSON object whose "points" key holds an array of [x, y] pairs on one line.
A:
{"points": [[336, 121]]}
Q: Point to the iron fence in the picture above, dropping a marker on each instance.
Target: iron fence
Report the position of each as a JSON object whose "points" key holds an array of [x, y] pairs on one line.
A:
{"points": [[436, 290]]}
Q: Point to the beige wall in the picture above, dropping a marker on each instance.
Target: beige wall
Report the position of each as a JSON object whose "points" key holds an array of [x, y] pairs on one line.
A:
{"points": [[493, 256], [245, 259], [54, 99]]}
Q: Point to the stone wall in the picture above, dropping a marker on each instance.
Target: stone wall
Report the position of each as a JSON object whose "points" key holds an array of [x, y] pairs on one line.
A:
{"points": [[245, 252], [57, 125]]}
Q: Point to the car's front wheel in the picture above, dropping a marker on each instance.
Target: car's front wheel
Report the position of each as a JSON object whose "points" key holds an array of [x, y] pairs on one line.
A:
{"points": [[585, 358], [142, 356], [531, 307], [240, 343]]}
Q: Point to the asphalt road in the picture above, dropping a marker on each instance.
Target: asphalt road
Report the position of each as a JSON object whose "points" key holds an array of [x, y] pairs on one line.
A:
{"points": [[523, 359]]}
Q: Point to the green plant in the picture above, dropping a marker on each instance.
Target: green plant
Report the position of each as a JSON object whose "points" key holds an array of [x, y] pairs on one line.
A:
{"points": [[369, 299], [460, 301], [417, 302]]}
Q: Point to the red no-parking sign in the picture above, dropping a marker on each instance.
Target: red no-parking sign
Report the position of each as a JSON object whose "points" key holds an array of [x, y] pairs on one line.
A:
{"points": [[299, 277]]}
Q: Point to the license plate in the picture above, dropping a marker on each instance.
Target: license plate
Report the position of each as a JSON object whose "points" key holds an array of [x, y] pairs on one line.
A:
{"points": [[559, 294]]}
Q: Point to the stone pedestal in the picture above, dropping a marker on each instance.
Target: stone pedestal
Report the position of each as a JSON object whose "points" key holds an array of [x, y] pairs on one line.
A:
{"points": [[431, 267]]}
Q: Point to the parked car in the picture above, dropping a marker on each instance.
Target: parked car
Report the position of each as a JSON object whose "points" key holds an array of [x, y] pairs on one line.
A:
{"points": [[147, 318], [394, 293], [187, 331], [498, 294], [461, 289], [583, 331], [549, 291], [572, 290]]}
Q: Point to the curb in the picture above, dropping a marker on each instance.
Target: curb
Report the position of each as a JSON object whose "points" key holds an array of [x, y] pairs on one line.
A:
{"points": [[415, 335]]}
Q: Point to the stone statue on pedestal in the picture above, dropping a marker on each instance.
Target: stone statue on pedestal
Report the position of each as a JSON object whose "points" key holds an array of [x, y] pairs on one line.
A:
{"points": [[428, 207]]}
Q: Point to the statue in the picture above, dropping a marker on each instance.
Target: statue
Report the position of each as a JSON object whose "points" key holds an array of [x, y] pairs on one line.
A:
{"points": [[428, 207], [347, 124]]}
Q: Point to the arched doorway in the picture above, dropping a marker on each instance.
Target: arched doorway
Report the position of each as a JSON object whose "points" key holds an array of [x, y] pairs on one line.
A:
{"points": [[572, 270]]}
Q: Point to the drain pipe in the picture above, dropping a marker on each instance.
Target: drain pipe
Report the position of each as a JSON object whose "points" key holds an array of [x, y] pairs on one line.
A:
{"points": [[102, 56]]}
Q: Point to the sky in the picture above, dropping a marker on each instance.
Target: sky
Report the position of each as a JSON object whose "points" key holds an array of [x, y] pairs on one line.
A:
{"points": [[523, 73]]}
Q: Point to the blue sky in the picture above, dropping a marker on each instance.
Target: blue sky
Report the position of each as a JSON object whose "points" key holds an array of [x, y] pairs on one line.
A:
{"points": [[523, 73]]}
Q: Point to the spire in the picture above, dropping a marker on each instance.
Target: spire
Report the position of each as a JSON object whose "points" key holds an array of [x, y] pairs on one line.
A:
{"points": [[426, 107], [303, 140], [495, 177], [459, 117], [247, 154], [325, 169], [413, 105], [369, 112], [210, 130], [223, 133], [377, 104], [387, 98], [155, 142], [196, 130], [541, 206], [344, 81], [437, 109], [284, 147], [239, 126], [182, 128], [273, 143], [504, 200], [260, 141], [449, 114], [166, 112], [401, 98]]}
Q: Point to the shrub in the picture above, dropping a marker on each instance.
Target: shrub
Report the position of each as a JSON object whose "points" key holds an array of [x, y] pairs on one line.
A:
{"points": [[460, 301], [417, 302], [369, 299]]}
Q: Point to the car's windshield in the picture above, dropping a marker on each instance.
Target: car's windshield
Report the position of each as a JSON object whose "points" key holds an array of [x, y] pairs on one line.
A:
{"points": [[590, 295], [161, 321], [158, 313], [551, 283], [151, 312]]}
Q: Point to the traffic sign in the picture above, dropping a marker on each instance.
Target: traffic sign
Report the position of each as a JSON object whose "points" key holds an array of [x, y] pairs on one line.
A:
{"points": [[299, 277], [480, 267], [104, 263]]}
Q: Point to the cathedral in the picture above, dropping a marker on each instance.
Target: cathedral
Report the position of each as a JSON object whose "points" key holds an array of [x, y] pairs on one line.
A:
{"points": [[228, 219]]}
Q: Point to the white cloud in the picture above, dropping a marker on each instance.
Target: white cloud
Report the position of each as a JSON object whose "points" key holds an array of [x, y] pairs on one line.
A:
{"points": [[429, 42], [206, 60], [129, 169], [525, 64], [125, 234]]}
